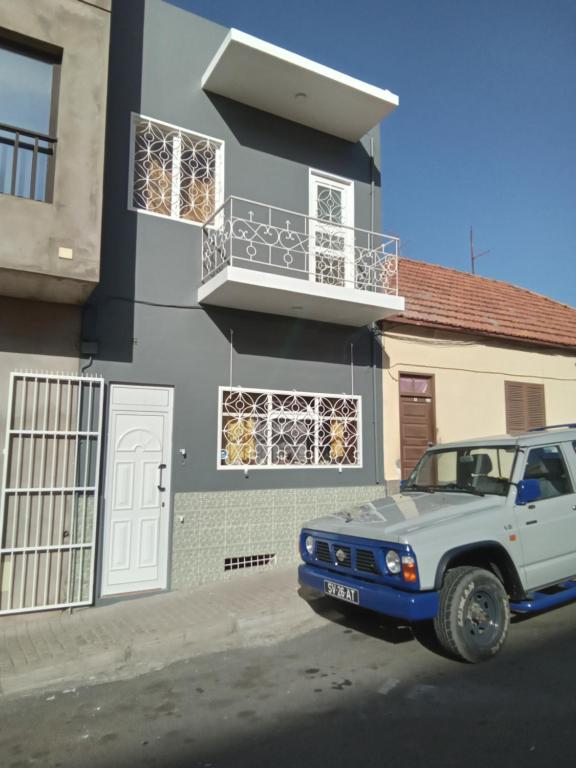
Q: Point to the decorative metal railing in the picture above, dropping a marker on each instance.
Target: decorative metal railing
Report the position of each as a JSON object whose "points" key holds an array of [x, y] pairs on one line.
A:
{"points": [[26, 163], [262, 237]]}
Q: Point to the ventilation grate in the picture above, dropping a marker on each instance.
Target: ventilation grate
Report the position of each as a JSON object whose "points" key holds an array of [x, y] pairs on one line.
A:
{"points": [[248, 561], [323, 552], [365, 561]]}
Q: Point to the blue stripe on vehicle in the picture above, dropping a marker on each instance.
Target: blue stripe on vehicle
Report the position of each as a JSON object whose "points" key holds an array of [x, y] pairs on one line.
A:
{"points": [[540, 601], [400, 604]]}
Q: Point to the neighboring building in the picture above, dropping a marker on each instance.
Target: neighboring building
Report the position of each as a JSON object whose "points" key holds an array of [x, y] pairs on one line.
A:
{"points": [[53, 65], [471, 357], [242, 266]]}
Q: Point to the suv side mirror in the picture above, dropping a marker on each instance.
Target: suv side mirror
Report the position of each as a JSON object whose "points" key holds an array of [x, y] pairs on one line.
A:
{"points": [[403, 484], [528, 490]]}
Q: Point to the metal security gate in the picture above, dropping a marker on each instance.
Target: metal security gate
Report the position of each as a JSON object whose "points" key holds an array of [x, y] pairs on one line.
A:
{"points": [[48, 509]]}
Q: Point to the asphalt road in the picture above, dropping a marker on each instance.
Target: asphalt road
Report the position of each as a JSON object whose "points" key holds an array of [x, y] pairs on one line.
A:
{"points": [[357, 692]]}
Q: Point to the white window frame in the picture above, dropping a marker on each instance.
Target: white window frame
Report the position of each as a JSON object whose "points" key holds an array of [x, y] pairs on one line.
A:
{"points": [[219, 195], [269, 417], [347, 187]]}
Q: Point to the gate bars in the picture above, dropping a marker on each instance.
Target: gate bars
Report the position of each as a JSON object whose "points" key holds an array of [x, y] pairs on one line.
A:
{"points": [[49, 502]]}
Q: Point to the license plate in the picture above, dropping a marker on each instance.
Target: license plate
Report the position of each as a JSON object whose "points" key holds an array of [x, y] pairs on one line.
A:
{"points": [[348, 594]]}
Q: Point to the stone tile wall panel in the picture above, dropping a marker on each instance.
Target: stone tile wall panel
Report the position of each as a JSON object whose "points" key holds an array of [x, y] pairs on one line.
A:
{"points": [[221, 525]]}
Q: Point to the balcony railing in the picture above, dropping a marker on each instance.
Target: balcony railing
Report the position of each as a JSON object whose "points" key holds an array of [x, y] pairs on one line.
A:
{"points": [[26, 163], [244, 233]]}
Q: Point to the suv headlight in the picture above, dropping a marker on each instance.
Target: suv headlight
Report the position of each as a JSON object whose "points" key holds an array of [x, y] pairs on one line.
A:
{"points": [[393, 561], [309, 544]]}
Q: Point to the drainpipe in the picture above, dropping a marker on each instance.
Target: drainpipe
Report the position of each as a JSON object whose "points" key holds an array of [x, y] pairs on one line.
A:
{"points": [[88, 364], [373, 332], [375, 422], [371, 185]]}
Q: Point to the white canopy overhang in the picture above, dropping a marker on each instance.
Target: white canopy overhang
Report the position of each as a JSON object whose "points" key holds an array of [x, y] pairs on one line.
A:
{"points": [[285, 84]]}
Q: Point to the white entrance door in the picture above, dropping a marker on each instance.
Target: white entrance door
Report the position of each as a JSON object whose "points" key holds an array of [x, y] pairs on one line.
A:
{"points": [[331, 230], [137, 509]]}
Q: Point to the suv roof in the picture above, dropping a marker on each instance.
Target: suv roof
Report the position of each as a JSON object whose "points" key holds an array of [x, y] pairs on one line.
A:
{"points": [[554, 433]]}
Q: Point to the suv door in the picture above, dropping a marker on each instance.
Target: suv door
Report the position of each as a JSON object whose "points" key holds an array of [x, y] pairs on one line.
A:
{"points": [[547, 527]]}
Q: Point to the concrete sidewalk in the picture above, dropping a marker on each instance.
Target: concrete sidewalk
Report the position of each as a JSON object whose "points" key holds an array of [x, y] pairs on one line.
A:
{"points": [[124, 639]]}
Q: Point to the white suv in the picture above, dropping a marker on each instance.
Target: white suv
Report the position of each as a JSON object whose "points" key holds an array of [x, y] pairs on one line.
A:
{"points": [[480, 528]]}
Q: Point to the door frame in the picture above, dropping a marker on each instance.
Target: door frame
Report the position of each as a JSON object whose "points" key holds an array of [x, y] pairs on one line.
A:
{"points": [[348, 187], [107, 465], [414, 374]]}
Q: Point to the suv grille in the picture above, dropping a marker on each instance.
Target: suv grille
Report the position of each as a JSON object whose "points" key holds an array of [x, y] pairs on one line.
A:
{"points": [[365, 561], [323, 552], [345, 559]]}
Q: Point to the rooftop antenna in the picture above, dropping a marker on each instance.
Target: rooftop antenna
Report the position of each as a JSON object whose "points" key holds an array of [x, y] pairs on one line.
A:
{"points": [[474, 256]]}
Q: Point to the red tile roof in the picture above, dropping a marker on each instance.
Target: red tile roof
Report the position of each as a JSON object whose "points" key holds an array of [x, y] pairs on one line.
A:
{"points": [[446, 298]]}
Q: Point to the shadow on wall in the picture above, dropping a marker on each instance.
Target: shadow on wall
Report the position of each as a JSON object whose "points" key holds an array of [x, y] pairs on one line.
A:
{"points": [[282, 138], [292, 339], [385, 359], [39, 328], [107, 320]]}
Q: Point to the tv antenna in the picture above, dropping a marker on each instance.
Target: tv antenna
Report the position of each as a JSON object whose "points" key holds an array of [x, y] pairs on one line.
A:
{"points": [[474, 256]]}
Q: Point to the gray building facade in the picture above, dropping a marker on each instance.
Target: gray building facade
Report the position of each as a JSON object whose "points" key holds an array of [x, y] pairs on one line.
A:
{"points": [[243, 380]]}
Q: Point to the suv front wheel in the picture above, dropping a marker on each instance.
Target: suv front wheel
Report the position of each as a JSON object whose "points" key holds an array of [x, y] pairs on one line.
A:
{"points": [[474, 614]]}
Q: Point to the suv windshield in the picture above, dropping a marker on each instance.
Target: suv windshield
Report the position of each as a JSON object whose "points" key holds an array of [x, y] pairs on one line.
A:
{"points": [[478, 470]]}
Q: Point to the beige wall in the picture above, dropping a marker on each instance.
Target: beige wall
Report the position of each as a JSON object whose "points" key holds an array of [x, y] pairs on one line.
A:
{"points": [[469, 374], [33, 231]]}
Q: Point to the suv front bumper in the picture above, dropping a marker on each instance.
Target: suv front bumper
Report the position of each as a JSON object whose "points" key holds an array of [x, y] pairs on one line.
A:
{"points": [[411, 606]]}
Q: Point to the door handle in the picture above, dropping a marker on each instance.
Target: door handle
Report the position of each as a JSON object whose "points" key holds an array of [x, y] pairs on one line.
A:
{"points": [[531, 522], [160, 468]]}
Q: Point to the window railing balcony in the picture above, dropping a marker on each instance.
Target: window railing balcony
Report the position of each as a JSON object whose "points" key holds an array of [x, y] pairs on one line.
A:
{"points": [[26, 163], [269, 239], [290, 257]]}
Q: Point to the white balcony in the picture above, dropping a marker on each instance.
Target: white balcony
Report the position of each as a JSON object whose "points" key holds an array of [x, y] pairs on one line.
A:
{"points": [[265, 259]]}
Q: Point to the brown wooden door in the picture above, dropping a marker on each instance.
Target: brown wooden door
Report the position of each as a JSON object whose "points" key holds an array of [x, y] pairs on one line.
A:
{"points": [[417, 419]]}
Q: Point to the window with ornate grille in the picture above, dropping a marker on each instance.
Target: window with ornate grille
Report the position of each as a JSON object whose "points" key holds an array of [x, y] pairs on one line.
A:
{"points": [[176, 173], [272, 429]]}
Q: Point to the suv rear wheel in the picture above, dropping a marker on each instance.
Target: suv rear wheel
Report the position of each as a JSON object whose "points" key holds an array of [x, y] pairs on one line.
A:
{"points": [[474, 614]]}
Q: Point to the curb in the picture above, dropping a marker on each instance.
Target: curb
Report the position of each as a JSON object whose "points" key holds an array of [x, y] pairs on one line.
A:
{"points": [[144, 653], [120, 663]]}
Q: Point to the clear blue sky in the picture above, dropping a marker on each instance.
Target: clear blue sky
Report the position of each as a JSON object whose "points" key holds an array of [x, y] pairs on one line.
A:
{"points": [[485, 134]]}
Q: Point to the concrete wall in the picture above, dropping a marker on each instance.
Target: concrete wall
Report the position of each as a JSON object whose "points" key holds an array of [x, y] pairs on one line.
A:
{"points": [[469, 374], [36, 335], [33, 231]]}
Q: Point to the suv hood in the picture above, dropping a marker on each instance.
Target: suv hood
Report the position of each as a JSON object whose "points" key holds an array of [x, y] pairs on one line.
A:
{"points": [[392, 518]]}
